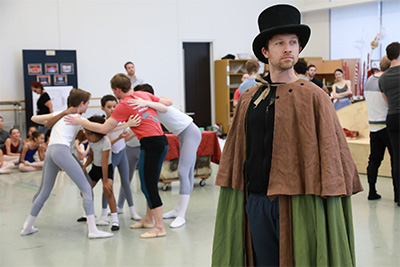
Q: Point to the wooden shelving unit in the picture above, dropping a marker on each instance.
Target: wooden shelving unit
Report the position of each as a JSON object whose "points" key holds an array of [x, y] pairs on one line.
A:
{"points": [[228, 74]]}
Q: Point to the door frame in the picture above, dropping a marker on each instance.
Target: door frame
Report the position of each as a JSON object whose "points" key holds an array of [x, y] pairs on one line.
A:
{"points": [[182, 74]]}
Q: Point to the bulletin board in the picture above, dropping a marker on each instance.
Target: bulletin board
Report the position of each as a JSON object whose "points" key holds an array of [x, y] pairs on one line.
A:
{"points": [[56, 70]]}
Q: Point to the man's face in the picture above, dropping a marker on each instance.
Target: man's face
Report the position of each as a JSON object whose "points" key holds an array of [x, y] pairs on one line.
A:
{"points": [[109, 107], [1, 123], [311, 72], [130, 69], [117, 93], [283, 51]]}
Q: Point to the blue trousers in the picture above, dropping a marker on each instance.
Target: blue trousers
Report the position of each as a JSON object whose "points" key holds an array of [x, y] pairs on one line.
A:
{"points": [[263, 217]]}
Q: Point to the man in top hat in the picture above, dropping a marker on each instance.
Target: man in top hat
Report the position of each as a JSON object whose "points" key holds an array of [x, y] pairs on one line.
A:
{"points": [[286, 172]]}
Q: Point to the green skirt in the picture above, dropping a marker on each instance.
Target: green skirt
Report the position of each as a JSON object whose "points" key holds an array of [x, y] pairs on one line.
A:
{"points": [[228, 249], [322, 230]]}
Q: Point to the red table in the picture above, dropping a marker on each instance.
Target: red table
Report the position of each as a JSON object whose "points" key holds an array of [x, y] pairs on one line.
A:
{"points": [[209, 146]]}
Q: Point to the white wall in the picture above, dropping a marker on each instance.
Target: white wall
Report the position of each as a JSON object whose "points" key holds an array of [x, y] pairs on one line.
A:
{"points": [[353, 29], [106, 34], [150, 33], [390, 23], [319, 43]]}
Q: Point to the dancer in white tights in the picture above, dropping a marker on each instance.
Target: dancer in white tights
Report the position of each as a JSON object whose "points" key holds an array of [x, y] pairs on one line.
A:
{"points": [[189, 136]]}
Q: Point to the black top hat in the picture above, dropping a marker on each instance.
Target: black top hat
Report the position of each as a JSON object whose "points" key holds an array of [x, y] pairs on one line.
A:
{"points": [[279, 19]]}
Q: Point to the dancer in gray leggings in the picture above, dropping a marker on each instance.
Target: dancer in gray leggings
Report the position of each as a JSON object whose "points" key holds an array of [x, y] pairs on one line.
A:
{"points": [[132, 153], [58, 155], [119, 159]]}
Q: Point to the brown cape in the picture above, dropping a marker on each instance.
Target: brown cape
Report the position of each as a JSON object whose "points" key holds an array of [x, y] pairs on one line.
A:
{"points": [[310, 153]]}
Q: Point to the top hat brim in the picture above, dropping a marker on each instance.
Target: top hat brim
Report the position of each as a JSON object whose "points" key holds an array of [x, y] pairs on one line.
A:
{"points": [[303, 31]]}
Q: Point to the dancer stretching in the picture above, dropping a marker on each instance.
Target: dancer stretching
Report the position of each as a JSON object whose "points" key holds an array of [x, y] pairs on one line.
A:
{"points": [[189, 136], [119, 158], [58, 155], [100, 156], [154, 144]]}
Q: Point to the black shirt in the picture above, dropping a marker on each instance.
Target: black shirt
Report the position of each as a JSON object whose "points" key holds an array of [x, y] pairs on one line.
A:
{"points": [[389, 83], [41, 108], [259, 137], [317, 82], [3, 136]]}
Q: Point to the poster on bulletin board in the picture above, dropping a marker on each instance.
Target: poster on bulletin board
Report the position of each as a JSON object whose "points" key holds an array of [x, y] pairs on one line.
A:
{"points": [[56, 70]]}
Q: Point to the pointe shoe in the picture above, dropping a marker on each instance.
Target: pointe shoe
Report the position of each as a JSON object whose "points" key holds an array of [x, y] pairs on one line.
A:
{"points": [[141, 225], [99, 234], [153, 235], [178, 222]]}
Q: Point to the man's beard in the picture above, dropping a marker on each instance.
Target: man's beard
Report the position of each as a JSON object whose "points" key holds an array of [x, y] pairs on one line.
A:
{"points": [[286, 65]]}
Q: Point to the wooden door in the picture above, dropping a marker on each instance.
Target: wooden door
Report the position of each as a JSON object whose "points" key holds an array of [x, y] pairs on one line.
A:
{"points": [[197, 82]]}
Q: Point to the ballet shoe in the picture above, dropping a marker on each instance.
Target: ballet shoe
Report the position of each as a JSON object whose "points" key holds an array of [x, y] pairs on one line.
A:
{"points": [[178, 222], [115, 226], [82, 219], [141, 225], [136, 217], [99, 234], [103, 221], [170, 214], [31, 231], [153, 235]]}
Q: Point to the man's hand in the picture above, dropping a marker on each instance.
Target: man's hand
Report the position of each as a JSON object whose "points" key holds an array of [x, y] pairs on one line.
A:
{"points": [[134, 121], [73, 120]]}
